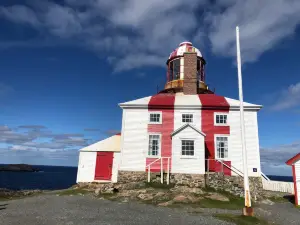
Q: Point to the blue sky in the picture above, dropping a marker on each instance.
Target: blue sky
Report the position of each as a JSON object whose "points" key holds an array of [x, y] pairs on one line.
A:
{"points": [[65, 65]]}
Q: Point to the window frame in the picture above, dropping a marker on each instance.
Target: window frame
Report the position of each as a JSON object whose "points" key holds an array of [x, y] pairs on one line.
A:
{"points": [[155, 112], [187, 113], [187, 156], [220, 114], [159, 145], [216, 147]]}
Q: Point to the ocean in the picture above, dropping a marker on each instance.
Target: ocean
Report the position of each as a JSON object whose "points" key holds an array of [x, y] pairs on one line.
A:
{"points": [[49, 178], [57, 177]]}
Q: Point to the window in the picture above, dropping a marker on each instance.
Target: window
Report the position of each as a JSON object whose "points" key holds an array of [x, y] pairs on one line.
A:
{"points": [[175, 69], [154, 144], [221, 119], [187, 147], [187, 118], [155, 118], [222, 147]]}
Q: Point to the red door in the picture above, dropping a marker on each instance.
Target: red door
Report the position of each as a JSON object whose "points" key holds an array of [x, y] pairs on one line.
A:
{"points": [[104, 163]]}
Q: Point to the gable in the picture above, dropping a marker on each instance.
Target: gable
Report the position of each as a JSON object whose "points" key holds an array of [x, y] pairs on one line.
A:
{"points": [[185, 128], [293, 160]]}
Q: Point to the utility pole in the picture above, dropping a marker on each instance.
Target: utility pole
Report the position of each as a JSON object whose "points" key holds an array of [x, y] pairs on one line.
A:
{"points": [[248, 210]]}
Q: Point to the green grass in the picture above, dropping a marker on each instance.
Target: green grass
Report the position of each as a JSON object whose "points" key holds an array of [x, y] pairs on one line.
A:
{"points": [[234, 203], [278, 199], [73, 192], [241, 220]]}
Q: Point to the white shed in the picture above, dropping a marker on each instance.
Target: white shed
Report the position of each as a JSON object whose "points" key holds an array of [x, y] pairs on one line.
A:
{"points": [[295, 163], [99, 162]]}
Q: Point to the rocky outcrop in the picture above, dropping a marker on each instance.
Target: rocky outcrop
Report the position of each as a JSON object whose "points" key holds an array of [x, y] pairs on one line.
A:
{"points": [[9, 194], [18, 168]]}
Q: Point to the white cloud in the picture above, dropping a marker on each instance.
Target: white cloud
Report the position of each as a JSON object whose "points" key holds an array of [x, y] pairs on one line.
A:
{"points": [[262, 25], [137, 33], [273, 158], [288, 98]]}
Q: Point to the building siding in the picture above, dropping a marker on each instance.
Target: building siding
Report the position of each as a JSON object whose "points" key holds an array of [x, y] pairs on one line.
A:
{"points": [[115, 169], [212, 104], [252, 143], [183, 164], [86, 167], [135, 140], [165, 104]]}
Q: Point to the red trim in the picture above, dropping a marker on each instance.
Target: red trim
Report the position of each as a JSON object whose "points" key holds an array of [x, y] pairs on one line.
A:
{"points": [[165, 104], [212, 103], [119, 134], [292, 160], [295, 184]]}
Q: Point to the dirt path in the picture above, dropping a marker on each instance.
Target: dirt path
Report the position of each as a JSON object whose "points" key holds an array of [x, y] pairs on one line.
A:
{"points": [[86, 210]]}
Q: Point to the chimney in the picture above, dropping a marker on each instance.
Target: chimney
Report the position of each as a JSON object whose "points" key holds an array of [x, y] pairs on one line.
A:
{"points": [[190, 73]]}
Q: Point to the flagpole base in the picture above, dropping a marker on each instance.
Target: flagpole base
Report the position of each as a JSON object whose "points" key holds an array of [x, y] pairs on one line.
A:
{"points": [[248, 211]]}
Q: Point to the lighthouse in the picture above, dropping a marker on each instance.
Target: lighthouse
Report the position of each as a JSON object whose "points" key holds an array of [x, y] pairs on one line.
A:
{"points": [[185, 131]]}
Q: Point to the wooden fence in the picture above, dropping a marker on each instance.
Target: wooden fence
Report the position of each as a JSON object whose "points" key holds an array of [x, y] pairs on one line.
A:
{"points": [[280, 186]]}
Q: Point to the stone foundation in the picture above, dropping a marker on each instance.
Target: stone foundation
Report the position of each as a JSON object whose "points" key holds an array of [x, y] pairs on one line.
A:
{"points": [[234, 184], [189, 180], [231, 184], [131, 176]]}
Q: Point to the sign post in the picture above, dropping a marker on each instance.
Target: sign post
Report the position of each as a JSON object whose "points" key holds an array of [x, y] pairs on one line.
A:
{"points": [[248, 210]]}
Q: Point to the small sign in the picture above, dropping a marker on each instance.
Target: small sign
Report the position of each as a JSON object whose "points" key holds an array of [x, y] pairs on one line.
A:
{"points": [[254, 169]]}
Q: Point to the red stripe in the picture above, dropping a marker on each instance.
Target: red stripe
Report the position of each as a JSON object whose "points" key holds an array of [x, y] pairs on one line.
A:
{"points": [[165, 104], [295, 184], [212, 103]]}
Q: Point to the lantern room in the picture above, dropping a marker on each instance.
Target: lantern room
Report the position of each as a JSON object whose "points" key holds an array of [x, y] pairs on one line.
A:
{"points": [[186, 67]]}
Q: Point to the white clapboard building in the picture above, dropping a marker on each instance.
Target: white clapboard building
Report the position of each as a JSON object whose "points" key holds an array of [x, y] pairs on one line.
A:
{"points": [[185, 128]]}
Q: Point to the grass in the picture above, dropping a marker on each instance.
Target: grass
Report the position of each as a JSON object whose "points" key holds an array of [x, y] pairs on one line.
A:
{"points": [[278, 199], [241, 220], [234, 203], [73, 192]]}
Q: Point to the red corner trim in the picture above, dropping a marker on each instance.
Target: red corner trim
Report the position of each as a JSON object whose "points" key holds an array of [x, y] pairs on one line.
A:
{"points": [[295, 185]]}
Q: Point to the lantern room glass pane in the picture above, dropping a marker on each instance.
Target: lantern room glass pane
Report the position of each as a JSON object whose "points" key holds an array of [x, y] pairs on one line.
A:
{"points": [[174, 68]]}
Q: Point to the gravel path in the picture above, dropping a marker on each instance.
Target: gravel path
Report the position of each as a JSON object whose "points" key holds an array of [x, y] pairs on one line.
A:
{"points": [[85, 210], [279, 213]]}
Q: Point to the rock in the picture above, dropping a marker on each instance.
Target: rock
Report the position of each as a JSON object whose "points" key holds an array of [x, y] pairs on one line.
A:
{"points": [[181, 199], [164, 204], [185, 189], [267, 202], [97, 191], [108, 191], [145, 197], [218, 197]]}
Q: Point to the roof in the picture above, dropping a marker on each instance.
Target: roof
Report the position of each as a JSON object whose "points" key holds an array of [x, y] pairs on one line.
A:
{"points": [[184, 127], [185, 46], [294, 159], [181, 101], [111, 144]]}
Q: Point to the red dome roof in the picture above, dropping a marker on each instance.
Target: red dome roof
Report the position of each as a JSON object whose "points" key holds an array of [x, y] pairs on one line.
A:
{"points": [[184, 47]]}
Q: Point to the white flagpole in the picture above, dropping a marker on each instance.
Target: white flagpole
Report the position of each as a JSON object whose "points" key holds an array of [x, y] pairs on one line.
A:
{"points": [[242, 121]]}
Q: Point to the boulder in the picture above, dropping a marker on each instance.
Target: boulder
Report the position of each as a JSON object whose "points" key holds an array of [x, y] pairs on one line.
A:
{"points": [[165, 204], [181, 199], [218, 197], [145, 197], [267, 202]]}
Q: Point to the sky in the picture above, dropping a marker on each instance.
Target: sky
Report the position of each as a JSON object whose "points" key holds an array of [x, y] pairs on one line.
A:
{"points": [[65, 65]]}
